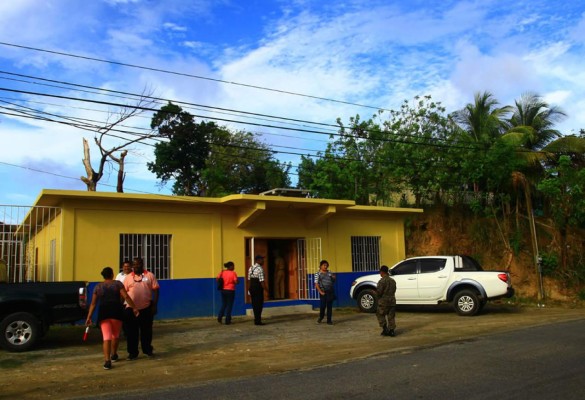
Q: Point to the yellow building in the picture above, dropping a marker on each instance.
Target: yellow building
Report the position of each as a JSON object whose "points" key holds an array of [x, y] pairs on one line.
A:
{"points": [[185, 241]]}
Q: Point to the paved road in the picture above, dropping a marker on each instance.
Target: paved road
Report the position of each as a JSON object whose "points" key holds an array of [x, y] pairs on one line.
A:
{"points": [[546, 362]]}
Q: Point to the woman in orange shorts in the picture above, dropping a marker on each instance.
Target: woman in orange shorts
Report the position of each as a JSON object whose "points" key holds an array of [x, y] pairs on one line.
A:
{"points": [[110, 293]]}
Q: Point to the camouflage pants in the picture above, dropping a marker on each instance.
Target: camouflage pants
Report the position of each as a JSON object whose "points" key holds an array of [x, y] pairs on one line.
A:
{"points": [[386, 314]]}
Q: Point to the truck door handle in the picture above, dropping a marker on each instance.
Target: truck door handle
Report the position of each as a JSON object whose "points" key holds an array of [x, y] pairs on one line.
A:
{"points": [[412, 279]]}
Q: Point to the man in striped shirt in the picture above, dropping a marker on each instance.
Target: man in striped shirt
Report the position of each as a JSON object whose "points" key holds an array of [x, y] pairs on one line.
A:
{"points": [[324, 281], [256, 288]]}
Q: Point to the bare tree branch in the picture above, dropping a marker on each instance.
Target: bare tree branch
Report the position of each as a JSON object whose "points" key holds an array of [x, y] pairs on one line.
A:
{"points": [[106, 155]]}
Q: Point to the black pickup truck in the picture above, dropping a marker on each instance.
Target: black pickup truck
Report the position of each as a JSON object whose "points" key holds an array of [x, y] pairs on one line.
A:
{"points": [[28, 309]]}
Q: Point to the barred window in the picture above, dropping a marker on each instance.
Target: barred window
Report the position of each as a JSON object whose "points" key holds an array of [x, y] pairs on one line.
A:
{"points": [[154, 249], [365, 253]]}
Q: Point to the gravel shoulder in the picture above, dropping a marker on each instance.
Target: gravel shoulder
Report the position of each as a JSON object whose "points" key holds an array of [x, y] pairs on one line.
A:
{"points": [[197, 350]]}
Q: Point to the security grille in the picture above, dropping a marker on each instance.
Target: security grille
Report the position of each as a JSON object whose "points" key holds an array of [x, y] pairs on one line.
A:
{"points": [[28, 246], [309, 256], [154, 249], [365, 253]]}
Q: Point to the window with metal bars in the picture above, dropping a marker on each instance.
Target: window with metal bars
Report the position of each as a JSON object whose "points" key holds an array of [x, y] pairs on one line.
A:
{"points": [[154, 249], [365, 253]]}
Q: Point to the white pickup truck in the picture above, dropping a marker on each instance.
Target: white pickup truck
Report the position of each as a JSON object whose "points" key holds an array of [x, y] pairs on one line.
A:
{"points": [[435, 280]]}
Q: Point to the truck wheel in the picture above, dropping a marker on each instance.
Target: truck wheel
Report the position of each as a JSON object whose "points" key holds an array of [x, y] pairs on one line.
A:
{"points": [[20, 332], [466, 303], [367, 301]]}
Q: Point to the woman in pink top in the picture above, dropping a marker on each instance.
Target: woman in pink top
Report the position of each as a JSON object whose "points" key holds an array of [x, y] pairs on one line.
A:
{"points": [[228, 293]]}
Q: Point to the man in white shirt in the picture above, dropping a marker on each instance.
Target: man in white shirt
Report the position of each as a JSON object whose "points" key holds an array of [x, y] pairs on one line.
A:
{"points": [[256, 288], [126, 270]]}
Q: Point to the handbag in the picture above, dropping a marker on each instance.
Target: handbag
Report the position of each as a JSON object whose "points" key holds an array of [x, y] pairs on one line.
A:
{"points": [[220, 282]]}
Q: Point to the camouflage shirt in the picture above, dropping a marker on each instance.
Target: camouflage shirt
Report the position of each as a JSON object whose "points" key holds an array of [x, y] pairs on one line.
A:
{"points": [[386, 290]]}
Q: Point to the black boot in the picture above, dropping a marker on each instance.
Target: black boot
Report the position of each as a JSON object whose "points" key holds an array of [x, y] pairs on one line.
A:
{"points": [[384, 330], [391, 332]]}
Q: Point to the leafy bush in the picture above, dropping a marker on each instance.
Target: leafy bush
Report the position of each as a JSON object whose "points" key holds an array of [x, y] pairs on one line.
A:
{"points": [[549, 263]]}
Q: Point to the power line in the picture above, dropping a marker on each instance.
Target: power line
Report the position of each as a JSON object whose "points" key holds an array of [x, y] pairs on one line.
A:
{"points": [[97, 129], [433, 142], [189, 75], [94, 128], [10, 100], [134, 96], [319, 155]]}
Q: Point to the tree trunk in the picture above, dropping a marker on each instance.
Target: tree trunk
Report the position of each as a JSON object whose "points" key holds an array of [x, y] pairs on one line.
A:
{"points": [[90, 180], [121, 173]]}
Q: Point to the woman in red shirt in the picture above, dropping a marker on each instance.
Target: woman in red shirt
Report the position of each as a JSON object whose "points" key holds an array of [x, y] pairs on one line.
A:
{"points": [[228, 293]]}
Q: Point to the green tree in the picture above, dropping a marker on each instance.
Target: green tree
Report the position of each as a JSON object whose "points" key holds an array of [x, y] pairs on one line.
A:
{"points": [[531, 129], [482, 123], [572, 146], [370, 162], [350, 167], [208, 160], [533, 120], [327, 176], [417, 153], [240, 163], [564, 189], [183, 154]]}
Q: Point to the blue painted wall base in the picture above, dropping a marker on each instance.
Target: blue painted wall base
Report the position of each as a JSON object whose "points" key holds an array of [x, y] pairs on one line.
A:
{"points": [[187, 298]]}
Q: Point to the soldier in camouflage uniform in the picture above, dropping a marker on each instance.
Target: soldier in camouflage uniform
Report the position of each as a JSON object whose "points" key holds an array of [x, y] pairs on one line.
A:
{"points": [[386, 291]]}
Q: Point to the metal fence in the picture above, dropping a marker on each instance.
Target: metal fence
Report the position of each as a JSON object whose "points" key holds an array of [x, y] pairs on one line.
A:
{"points": [[28, 243]]}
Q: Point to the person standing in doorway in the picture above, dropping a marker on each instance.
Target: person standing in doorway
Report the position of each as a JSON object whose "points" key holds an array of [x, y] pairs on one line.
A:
{"points": [[126, 270], [386, 312], [143, 288], [110, 313], [279, 275], [228, 293], [256, 288], [324, 283]]}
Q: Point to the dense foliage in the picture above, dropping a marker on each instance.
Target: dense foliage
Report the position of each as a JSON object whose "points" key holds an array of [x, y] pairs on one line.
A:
{"points": [[491, 159], [203, 159]]}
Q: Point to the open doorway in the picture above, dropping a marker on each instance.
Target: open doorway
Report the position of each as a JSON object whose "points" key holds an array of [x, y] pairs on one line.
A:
{"points": [[289, 265], [280, 266]]}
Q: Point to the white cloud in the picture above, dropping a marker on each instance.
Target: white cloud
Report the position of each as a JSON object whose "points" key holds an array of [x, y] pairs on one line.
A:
{"points": [[174, 27]]}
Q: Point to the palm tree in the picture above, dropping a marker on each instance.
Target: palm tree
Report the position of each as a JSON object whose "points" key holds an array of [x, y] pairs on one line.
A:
{"points": [[531, 129], [541, 146], [483, 121], [534, 119]]}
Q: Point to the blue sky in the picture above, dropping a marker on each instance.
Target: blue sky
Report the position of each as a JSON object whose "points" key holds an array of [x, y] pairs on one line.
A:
{"points": [[374, 53]]}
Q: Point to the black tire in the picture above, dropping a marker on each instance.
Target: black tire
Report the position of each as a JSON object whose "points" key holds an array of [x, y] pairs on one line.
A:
{"points": [[367, 301], [482, 304], [466, 303], [19, 332]]}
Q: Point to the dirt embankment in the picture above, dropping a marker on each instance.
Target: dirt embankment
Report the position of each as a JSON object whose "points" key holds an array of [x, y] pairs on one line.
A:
{"points": [[502, 244], [198, 350]]}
